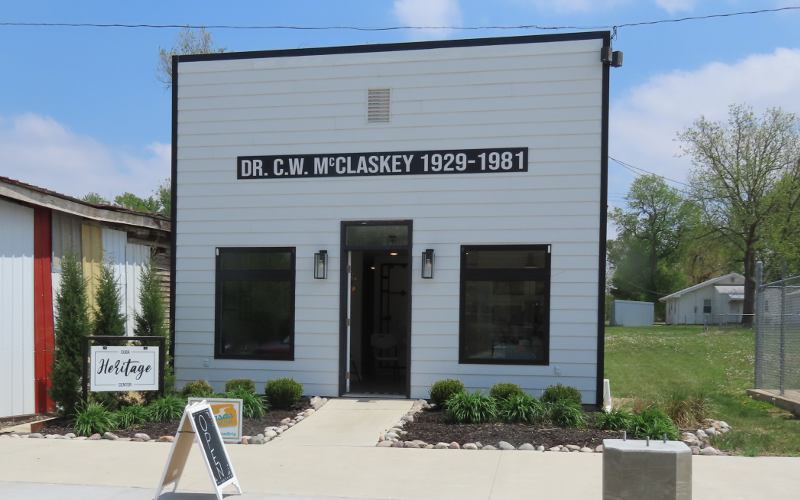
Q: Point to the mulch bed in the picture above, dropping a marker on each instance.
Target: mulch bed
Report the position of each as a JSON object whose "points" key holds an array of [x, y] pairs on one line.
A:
{"points": [[250, 426], [431, 427]]}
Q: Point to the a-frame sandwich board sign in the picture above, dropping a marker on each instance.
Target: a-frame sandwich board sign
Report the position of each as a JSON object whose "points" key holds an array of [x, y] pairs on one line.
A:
{"points": [[198, 424]]}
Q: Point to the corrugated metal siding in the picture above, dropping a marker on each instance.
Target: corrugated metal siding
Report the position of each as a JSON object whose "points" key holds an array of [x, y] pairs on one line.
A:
{"points": [[545, 96], [136, 258], [91, 260], [114, 248], [66, 238], [17, 394]]}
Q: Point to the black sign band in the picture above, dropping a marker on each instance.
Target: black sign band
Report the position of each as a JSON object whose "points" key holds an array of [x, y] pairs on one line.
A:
{"points": [[458, 161]]}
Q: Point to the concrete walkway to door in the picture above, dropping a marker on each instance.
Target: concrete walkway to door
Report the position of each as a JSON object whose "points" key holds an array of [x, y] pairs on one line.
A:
{"points": [[346, 422]]}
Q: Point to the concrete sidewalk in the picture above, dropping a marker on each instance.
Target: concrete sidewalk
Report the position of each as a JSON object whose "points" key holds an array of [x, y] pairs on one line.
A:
{"points": [[332, 454]]}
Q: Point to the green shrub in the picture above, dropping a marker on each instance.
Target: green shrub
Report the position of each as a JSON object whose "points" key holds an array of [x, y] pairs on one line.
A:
{"points": [[240, 383], [165, 409], [565, 413], [108, 320], [92, 418], [505, 390], [441, 390], [470, 408], [128, 416], [72, 324], [522, 408], [558, 393], [252, 404], [652, 423], [283, 393], [687, 411], [197, 389], [615, 420]]}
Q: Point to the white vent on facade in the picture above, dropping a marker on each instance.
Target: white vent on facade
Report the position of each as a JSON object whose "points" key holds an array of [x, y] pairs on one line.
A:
{"points": [[378, 105]]}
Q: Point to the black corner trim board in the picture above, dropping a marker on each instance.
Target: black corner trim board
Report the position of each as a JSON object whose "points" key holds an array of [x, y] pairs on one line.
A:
{"points": [[605, 36]]}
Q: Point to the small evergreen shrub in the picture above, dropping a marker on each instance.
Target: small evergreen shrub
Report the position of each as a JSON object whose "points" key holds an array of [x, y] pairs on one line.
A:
{"points": [[108, 320], [470, 408], [441, 390], [92, 418], [522, 408], [165, 409], [615, 420], [240, 383], [564, 413], [129, 416], [197, 389], [505, 390], [252, 404], [652, 423], [152, 321], [561, 393], [283, 393], [71, 325]]}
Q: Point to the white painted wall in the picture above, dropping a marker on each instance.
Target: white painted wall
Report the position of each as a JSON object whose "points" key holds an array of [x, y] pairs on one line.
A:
{"points": [[633, 313], [546, 96], [16, 310], [136, 259]]}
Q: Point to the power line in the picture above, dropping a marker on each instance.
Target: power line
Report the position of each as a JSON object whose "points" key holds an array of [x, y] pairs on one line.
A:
{"points": [[42, 24], [640, 171]]}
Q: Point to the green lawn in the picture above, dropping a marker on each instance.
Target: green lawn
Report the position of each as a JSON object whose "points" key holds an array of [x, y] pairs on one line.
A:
{"points": [[651, 363]]}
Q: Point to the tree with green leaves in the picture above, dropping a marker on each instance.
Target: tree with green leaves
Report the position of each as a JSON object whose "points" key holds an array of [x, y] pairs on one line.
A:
{"points": [[151, 320], [72, 325], [739, 167], [190, 41], [95, 199], [108, 320], [133, 202]]}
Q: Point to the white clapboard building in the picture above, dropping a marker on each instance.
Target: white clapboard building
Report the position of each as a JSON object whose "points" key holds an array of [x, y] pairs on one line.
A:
{"points": [[370, 219]]}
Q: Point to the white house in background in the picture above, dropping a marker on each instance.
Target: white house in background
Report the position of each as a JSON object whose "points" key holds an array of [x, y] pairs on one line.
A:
{"points": [[715, 301]]}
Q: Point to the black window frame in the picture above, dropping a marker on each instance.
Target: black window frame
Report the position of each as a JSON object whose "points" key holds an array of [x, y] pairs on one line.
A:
{"points": [[219, 280], [506, 274]]}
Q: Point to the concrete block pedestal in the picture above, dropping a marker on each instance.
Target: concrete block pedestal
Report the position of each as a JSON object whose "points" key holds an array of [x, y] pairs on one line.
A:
{"points": [[654, 470]]}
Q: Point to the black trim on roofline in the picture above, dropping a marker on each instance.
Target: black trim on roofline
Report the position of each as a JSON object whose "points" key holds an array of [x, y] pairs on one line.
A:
{"points": [[601, 261], [391, 47]]}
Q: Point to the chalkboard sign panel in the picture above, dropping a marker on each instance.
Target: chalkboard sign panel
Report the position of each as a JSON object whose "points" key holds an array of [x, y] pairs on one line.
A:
{"points": [[211, 441]]}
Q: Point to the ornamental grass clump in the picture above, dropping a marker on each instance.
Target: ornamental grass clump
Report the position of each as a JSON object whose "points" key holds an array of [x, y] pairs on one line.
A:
{"points": [[283, 393], [441, 390], [253, 405], [129, 416], [165, 409], [470, 408], [615, 420], [505, 390], [687, 411], [197, 389], [652, 423], [561, 393], [565, 413], [93, 418], [522, 408]]}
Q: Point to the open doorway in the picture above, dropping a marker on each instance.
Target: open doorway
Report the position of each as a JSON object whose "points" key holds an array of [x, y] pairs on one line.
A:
{"points": [[378, 302]]}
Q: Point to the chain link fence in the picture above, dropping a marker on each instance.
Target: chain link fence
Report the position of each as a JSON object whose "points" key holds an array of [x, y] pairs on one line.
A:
{"points": [[777, 363]]}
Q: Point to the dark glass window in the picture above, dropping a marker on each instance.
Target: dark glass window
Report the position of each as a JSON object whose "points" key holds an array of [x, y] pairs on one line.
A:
{"points": [[388, 235], [505, 304], [255, 303], [707, 306]]}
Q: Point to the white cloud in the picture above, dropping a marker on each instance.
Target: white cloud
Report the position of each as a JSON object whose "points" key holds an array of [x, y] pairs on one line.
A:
{"points": [[39, 150], [428, 13], [645, 120], [673, 6]]}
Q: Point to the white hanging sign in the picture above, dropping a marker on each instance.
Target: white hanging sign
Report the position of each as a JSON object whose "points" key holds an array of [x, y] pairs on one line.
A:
{"points": [[198, 424], [124, 368]]}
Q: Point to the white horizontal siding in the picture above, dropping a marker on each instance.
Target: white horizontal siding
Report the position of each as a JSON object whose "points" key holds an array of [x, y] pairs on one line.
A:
{"points": [[547, 97]]}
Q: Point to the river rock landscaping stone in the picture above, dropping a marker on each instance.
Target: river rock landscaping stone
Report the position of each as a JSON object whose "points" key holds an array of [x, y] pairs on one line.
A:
{"points": [[488, 447], [110, 436], [35, 435], [470, 446], [505, 446], [95, 437], [586, 450], [708, 451], [166, 439], [384, 444], [526, 447], [455, 446], [142, 436]]}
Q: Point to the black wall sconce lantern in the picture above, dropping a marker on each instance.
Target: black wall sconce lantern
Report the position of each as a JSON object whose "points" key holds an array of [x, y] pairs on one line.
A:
{"points": [[427, 264], [321, 265]]}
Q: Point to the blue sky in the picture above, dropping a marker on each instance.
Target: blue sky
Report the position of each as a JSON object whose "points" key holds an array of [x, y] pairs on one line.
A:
{"points": [[81, 109]]}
